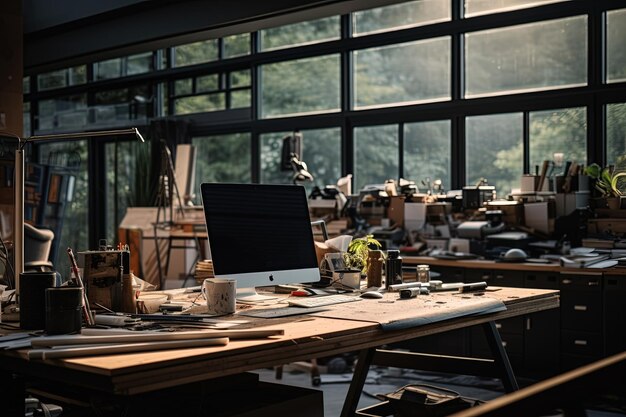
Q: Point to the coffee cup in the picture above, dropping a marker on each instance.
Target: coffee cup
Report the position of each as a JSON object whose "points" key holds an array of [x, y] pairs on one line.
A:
{"points": [[220, 295]]}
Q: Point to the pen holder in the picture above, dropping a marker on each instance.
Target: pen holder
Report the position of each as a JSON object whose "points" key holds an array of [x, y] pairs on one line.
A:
{"points": [[32, 298], [63, 310]]}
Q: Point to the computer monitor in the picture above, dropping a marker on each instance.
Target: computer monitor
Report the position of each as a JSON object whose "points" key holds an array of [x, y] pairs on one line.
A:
{"points": [[259, 235]]}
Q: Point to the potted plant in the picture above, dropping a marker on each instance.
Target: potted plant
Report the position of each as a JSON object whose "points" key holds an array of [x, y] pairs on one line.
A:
{"points": [[356, 256], [607, 183]]}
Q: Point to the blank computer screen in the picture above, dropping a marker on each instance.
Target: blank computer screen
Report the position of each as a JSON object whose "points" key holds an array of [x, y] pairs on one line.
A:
{"points": [[258, 227]]}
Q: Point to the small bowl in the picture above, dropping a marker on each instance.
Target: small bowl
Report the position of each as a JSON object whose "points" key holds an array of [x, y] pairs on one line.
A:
{"points": [[149, 303]]}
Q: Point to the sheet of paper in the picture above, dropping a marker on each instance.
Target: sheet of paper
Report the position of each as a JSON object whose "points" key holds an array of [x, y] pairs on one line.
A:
{"points": [[414, 216]]}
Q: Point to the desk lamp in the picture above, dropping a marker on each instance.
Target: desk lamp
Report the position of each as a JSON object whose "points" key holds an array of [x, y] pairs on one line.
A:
{"points": [[18, 241]]}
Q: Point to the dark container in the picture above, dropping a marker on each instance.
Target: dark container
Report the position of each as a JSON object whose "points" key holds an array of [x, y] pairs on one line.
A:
{"points": [[63, 310], [393, 268], [32, 298]]}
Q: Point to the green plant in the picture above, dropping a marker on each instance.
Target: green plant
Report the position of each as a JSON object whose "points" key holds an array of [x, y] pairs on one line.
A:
{"points": [[607, 180], [356, 256]]}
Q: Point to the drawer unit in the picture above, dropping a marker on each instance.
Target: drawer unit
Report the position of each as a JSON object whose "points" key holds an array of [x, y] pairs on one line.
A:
{"points": [[476, 275], [581, 302], [614, 314], [542, 343], [543, 280], [502, 278], [449, 274], [582, 344]]}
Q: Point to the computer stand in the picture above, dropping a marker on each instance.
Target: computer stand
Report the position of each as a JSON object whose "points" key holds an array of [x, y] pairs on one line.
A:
{"points": [[250, 296]]}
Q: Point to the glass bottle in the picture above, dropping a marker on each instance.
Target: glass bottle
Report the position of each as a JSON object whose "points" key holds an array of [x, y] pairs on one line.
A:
{"points": [[374, 268], [423, 273]]}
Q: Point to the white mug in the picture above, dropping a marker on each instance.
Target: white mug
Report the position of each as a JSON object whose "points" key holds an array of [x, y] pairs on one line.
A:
{"points": [[220, 295]]}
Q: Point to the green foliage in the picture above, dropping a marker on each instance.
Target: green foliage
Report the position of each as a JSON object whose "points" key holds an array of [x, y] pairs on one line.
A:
{"points": [[609, 182], [356, 256]]}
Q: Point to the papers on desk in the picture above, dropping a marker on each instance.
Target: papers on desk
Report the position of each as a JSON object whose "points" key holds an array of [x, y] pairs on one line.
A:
{"points": [[417, 311]]}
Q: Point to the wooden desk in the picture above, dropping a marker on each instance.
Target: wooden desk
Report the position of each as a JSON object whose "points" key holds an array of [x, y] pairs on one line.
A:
{"points": [[305, 337]]}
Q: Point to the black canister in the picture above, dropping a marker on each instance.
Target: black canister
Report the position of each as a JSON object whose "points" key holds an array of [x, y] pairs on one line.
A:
{"points": [[32, 298], [393, 268], [63, 310]]}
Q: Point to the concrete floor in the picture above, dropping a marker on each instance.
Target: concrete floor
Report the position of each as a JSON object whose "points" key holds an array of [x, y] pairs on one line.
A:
{"points": [[386, 380]]}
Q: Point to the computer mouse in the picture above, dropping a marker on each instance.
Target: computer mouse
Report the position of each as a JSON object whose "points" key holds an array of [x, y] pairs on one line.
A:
{"points": [[371, 294], [515, 254]]}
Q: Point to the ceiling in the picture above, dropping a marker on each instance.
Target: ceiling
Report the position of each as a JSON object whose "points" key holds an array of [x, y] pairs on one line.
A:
{"points": [[82, 31]]}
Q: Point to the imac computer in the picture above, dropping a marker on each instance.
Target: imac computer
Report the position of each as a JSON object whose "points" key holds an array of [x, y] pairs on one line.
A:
{"points": [[259, 235]]}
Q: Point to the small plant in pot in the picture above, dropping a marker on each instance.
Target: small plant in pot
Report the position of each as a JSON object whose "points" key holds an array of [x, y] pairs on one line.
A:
{"points": [[609, 182], [356, 256]]}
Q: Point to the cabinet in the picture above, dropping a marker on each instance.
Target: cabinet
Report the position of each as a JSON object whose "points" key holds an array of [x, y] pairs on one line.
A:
{"points": [[581, 318], [614, 313]]}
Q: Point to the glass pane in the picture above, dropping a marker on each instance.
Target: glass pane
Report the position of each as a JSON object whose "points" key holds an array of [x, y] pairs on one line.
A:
{"points": [[200, 104], [78, 75], [321, 151], [139, 64], [207, 83], [195, 53], [50, 80], [375, 155], [478, 7], [64, 112], [26, 119], [240, 99], [222, 158], [74, 223], [495, 150], [616, 134], [240, 78], [427, 151], [400, 16], [403, 73], [615, 40], [183, 87], [563, 130], [236, 45], [128, 183], [535, 56], [300, 33], [301, 86], [26, 84], [111, 68]]}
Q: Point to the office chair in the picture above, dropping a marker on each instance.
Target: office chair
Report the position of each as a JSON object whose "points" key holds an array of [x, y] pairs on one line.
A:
{"points": [[37, 246]]}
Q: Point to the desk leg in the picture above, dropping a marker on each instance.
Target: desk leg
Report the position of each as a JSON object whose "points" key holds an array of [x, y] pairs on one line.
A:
{"points": [[501, 360], [13, 394], [358, 380]]}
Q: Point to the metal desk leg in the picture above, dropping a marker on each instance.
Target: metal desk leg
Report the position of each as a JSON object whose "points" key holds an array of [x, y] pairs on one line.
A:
{"points": [[358, 380], [501, 360]]}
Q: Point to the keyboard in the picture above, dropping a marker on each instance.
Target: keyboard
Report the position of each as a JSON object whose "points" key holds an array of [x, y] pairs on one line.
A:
{"points": [[324, 300]]}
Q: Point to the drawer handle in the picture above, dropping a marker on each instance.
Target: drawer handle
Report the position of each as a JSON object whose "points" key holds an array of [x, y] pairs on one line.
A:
{"points": [[486, 277], [580, 342], [498, 326], [580, 308], [593, 283], [528, 323], [499, 276], [566, 281]]}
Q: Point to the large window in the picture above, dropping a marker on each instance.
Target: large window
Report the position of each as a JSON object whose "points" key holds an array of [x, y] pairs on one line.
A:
{"points": [[211, 92], [558, 131], [375, 155], [195, 53], [400, 16], [62, 78], [535, 56], [616, 135], [128, 183], [401, 74], [427, 151], [310, 85], [74, 223], [615, 51], [63, 113], [321, 151], [222, 158], [303, 33], [494, 150], [479, 7]]}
